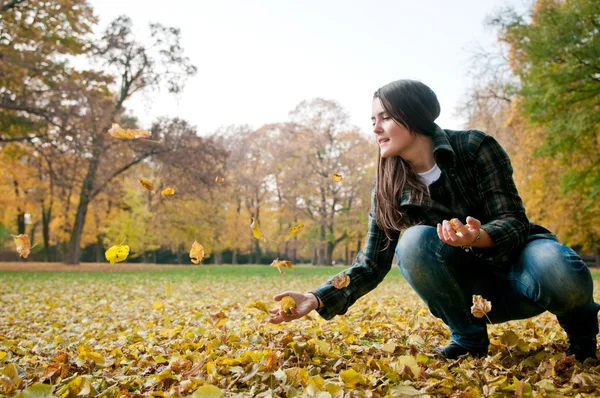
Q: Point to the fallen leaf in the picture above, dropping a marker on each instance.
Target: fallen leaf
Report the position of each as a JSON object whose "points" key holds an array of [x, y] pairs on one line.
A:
{"points": [[129, 134], [259, 305], [23, 244], [220, 180], [256, 229], [282, 264], [207, 391], [271, 361], [196, 252], [287, 303], [336, 177], [147, 184], [294, 230], [480, 306], [340, 281], [167, 191], [116, 254]]}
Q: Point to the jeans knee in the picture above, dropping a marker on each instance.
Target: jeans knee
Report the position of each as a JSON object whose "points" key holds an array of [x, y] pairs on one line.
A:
{"points": [[416, 247], [564, 281]]}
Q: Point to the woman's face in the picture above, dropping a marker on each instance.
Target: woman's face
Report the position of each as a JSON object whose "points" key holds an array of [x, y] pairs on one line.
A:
{"points": [[393, 138]]}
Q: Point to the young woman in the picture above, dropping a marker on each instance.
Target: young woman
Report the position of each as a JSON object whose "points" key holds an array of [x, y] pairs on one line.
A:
{"points": [[431, 181]]}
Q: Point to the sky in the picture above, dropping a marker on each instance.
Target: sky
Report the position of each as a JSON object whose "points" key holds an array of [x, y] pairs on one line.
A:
{"points": [[258, 59]]}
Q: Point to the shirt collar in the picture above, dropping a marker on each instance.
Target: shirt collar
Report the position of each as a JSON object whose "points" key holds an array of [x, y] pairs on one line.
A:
{"points": [[443, 153]]}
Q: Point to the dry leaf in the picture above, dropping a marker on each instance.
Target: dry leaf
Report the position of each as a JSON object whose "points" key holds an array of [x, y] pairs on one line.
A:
{"points": [[168, 191], [336, 177], [259, 305], [287, 303], [196, 252], [281, 264], [23, 244], [480, 306], [147, 184], [294, 230], [271, 361], [256, 229], [128, 134], [117, 253], [340, 281], [220, 180]]}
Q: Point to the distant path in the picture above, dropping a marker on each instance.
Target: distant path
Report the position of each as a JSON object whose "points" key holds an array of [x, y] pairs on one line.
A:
{"points": [[26, 266]]}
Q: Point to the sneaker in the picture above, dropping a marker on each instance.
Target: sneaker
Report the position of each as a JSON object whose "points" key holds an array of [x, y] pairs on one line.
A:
{"points": [[453, 351], [582, 347]]}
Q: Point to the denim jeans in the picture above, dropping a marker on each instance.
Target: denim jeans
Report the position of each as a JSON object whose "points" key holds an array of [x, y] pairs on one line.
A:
{"points": [[547, 276]]}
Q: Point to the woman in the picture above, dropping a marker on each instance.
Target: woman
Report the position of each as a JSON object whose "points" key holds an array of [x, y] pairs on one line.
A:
{"points": [[428, 181]]}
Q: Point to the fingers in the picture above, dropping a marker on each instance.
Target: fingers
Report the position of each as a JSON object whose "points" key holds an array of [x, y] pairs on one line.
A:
{"points": [[473, 222], [279, 296]]}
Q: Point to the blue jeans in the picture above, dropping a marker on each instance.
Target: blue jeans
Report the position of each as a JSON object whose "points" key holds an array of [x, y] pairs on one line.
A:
{"points": [[547, 276]]}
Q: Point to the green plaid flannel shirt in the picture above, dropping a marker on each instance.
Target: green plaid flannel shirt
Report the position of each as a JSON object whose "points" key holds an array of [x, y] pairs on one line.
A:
{"points": [[476, 180]]}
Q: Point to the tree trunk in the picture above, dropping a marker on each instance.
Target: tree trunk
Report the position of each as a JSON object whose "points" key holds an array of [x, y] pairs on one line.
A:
{"points": [[46, 217], [234, 257], [99, 249], [597, 256]]}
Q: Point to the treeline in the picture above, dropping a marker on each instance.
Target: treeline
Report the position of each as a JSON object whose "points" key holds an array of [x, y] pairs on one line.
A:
{"points": [[71, 186], [75, 190]]}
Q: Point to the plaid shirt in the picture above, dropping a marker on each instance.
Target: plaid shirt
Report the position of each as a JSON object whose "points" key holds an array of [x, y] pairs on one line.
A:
{"points": [[476, 180]]}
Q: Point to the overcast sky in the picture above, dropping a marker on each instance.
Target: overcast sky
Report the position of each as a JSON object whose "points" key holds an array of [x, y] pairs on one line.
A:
{"points": [[258, 59]]}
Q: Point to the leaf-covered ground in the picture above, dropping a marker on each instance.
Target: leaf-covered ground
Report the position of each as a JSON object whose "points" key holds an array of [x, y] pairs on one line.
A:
{"points": [[196, 331]]}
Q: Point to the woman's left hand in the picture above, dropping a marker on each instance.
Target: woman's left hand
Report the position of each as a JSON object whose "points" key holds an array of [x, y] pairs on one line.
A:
{"points": [[465, 235]]}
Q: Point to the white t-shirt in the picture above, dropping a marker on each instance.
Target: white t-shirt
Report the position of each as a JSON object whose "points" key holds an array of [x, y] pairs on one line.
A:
{"points": [[431, 175]]}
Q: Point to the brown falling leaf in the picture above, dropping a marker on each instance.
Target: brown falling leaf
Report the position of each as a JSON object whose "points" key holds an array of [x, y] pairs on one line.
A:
{"points": [[128, 134], [340, 281], [282, 264], [480, 306], [23, 244], [196, 252]]}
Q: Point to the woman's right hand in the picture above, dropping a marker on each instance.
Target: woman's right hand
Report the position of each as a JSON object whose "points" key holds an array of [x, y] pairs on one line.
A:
{"points": [[305, 303]]}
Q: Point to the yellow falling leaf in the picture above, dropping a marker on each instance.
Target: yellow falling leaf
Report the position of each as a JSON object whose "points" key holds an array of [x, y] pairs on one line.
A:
{"points": [[117, 131], [259, 305], [256, 229], [287, 303], [117, 253], [340, 281], [220, 180], [167, 191], [480, 306], [336, 177], [281, 264], [196, 252], [294, 230], [23, 244], [147, 184], [168, 289]]}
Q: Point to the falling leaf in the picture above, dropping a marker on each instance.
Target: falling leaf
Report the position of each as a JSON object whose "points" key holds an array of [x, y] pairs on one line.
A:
{"points": [[128, 134], [340, 281], [196, 252], [220, 180], [281, 264], [23, 244], [336, 177], [294, 230], [167, 191], [147, 184], [256, 229], [259, 305], [117, 253], [287, 303], [480, 306]]}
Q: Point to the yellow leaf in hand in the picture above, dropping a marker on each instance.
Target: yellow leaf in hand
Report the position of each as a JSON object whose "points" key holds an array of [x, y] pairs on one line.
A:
{"points": [[117, 253], [480, 306], [281, 264], [340, 281], [336, 177], [256, 229], [220, 180], [196, 252], [168, 191], [147, 184], [294, 230], [287, 303], [23, 244], [128, 134]]}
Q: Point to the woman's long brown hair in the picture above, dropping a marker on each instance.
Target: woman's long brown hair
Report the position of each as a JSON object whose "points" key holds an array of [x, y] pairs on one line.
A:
{"points": [[415, 106]]}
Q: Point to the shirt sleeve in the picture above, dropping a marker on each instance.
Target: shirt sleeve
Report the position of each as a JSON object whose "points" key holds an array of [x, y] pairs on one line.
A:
{"points": [[506, 221], [368, 270]]}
